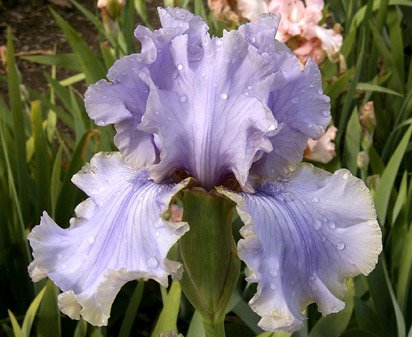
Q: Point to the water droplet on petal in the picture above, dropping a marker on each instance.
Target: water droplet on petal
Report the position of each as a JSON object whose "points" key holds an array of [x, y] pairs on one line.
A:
{"points": [[320, 91], [90, 239], [332, 225], [152, 262], [295, 100], [249, 87], [325, 113], [345, 175], [273, 286], [317, 224], [315, 199], [180, 66], [218, 42], [223, 96], [273, 272], [340, 246], [157, 234], [183, 99]]}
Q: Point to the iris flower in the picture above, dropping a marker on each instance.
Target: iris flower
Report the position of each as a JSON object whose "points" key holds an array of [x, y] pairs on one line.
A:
{"points": [[216, 108]]}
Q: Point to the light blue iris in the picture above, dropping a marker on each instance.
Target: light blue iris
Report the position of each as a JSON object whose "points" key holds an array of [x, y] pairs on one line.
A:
{"points": [[236, 106]]}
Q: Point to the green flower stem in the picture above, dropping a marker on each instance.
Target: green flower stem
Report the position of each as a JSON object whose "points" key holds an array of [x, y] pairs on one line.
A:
{"points": [[214, 329]]}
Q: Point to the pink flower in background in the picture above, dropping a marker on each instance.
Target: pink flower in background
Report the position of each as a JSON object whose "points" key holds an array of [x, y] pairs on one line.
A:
{"points": [[298, 26], [322, 149]]}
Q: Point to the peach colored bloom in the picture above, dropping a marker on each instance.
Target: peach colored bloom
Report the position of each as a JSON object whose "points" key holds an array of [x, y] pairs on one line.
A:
{"points": [[299, 22], [223, 10], [322, 149]]}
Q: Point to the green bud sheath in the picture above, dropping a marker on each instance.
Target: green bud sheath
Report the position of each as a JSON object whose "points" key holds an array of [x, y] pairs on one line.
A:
{"points": [[208, 253]]}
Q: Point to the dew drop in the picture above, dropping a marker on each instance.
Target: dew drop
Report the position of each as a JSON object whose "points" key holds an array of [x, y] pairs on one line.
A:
{"points": [[183, 99], [157, 234], [295, 100], [325, 113], [180, 66], [320, 91], [332, 225], [218, 42], [312, 278], [249, 87], [157, 112], [273, 272], [340, 246], [317, 224], [90, 239], [273, 286], [223, 96], [152, 262], [315, 199], [345, 175]]}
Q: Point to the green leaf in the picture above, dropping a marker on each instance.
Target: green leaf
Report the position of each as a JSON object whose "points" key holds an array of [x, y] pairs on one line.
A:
{"points": [[72, 80], [247, 315], [405, 272], [42, 160], [199, 9], [402, 197], [376, 88], [31, 313], [386, 55], [90, 64], [385, 301], [352, 142], [79, 124], [48, 322], [19, 127], [388, 178], [15, 325], [168, 317], [55, 183], [68, 61], [196, 328], [81, 329], [131, 310]]}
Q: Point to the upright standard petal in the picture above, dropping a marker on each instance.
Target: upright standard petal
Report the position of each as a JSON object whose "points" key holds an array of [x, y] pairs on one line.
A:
{"points": [[302, 238], [119, 235], [211, 115], [122, 102], [302, 111]]}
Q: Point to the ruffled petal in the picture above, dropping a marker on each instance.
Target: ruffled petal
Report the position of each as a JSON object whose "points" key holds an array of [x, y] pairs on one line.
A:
{"points": [[302, 111], [302, 238], [211, 115], [119, 235], [122, 102]]}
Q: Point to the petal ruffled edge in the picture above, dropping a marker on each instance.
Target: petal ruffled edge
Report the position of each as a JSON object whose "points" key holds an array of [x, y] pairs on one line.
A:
{"points": [[277, 313]]}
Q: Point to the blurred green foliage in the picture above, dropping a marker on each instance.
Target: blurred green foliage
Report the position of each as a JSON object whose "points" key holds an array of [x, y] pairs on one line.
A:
{"points": [[38, 159]]}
